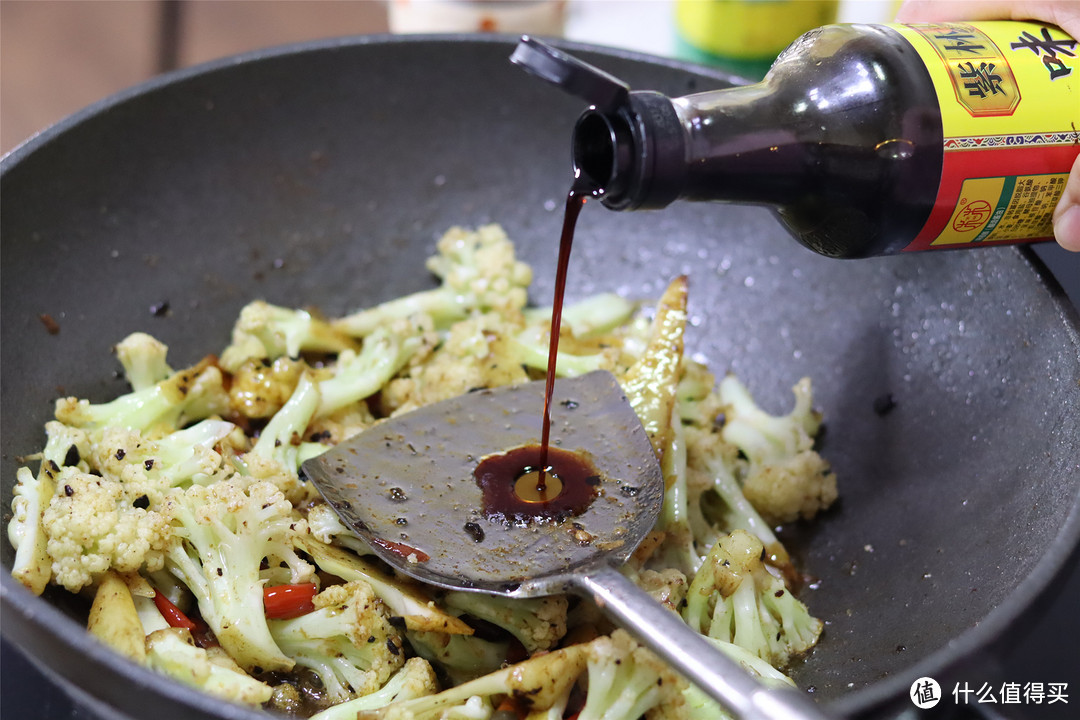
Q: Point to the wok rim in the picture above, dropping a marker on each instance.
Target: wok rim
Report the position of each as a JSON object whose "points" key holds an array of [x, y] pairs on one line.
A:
{"points": [[43, 617]]}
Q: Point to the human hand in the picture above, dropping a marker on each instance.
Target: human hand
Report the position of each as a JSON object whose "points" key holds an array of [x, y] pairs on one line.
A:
{"points": [[1063, 13]]}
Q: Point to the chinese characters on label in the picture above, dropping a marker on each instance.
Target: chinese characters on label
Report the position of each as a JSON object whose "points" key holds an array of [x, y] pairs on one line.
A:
{"points": [[1047, 48], [926, 692], [1012, 693], [980, 74], [1004, 208]]}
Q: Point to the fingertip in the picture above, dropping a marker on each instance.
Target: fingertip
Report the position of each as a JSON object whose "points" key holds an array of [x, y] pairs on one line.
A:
{"points": [[1067, 228]]}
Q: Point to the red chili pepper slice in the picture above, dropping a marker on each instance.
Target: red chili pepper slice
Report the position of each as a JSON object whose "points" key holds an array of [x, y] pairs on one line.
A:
{"points": [[172, 614], [283, 602]]}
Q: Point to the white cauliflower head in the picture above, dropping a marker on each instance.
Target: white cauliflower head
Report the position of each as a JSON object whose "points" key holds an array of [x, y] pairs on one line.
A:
{"points": [[92, 527]]}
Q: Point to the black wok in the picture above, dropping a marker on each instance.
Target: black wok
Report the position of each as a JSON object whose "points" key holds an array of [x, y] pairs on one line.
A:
{"points": [[322, 174]]}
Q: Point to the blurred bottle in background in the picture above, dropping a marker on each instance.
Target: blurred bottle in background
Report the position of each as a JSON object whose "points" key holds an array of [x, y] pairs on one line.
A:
{"points": [[745, 36], [537, 17]]}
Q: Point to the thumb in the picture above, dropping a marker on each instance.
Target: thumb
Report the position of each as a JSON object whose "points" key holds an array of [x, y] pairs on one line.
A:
{"points": [[1067, 212]]}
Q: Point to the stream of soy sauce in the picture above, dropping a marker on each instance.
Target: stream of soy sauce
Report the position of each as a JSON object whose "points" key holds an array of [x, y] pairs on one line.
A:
{"points": [[575, 200]]}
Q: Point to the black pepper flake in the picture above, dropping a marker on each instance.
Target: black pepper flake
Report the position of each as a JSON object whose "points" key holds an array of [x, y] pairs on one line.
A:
{"points": [[884, 404], [72, 457], [778, 593], [397, 621], [68, 490], [120, 454], [220, 572], [475, 531], [392, 647], [142, 502], [149, 464], [371, 638], [53, 466]]}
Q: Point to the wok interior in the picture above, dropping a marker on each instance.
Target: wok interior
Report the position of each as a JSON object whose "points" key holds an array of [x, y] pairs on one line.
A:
{"points": [[322, 177]]}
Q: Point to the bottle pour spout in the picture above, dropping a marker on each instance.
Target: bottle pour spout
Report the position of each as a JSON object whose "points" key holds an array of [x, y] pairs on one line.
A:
{"points": [[628, 147], [603, 91]]}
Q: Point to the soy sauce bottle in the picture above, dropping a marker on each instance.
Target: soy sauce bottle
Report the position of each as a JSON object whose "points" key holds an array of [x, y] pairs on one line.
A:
{"points": [[865, 139]]}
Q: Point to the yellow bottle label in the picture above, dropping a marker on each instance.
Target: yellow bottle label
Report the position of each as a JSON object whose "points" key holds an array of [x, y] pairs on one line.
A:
{"points": [[1010, 111]]}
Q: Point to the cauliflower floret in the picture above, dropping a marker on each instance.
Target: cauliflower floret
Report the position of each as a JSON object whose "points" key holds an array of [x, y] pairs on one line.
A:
{"points": [[260, 386], [347, 640], [143, 359], [269, 331], [483, 265], [734, 598], [222, 535], [92, 527], [627, 681], [475, 354], [667, 586], [479, 273], [148, 468], [784, 477], [173, 652], [790, 489], [416, 679], [342, 424]]}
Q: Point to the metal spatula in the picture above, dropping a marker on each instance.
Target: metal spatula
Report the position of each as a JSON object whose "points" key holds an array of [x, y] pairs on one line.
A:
{"points": [[407, 486]]}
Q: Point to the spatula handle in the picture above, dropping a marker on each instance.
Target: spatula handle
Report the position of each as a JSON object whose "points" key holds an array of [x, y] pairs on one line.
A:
{"points": [[696, 658]]}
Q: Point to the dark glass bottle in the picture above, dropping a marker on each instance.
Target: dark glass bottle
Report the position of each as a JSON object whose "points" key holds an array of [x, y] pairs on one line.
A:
{"points": [[844, 138]]}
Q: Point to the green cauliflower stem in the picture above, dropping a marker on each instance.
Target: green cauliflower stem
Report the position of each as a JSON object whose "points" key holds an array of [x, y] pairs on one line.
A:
{"points": [[785, 479], [280, 440], [347, 640], [143, 358], [92, 527], [479, 273], [538, 683], [184, 397], [530, 348], [460, 658], [404, 598], [271, 331], [678, 548], [416, 679], [537, 623], [173, 652], [221, 534], [700, 706], [357, 376], [596, 315], [734, 598], [717, 502]]}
